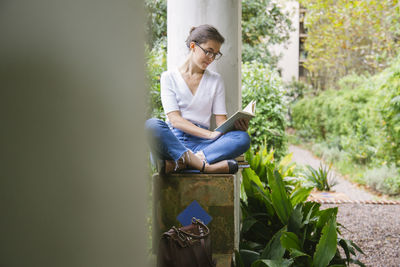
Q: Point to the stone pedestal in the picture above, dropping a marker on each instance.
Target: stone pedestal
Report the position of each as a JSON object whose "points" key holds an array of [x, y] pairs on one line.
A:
{"points": [[218, 195]]}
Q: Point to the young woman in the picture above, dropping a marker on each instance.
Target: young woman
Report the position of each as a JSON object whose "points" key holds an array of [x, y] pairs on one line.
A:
{"points": [[190, 95]]}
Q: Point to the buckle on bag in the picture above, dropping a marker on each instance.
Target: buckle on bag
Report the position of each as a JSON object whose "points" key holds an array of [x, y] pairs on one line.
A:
{"points": [[181, 236]]}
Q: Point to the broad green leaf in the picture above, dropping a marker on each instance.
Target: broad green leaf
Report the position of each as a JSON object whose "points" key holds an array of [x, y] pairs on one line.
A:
{"points": [[252, 176], [263, 173], [313, 209], [255, 162], [274, 250], [265, 196], [238, 259], [264, 152], [326, 215], [273, 263], [296, 219], [249, 245], [280, 199], [248, 223], [290, 241], [249, 177], [243, 195], [294, 253], [284, 163], [270, 156], [260, 230], [248, 257], [300, 195], [326, 247]]}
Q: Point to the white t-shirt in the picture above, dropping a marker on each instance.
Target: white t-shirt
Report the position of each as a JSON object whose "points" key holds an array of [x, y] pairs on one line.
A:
{"points": [[209, 98]]}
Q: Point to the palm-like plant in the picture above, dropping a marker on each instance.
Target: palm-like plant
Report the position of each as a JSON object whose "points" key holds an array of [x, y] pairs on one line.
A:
{"points": [[322, 179]]}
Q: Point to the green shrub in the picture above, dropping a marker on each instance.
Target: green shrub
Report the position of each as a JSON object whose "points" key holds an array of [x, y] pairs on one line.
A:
{"points": [[318, 149], [264, 23], [334, 154], [156, 28], [296, 90], [330, 153], [390, 112], [385, 179], [156, 64], [279, 228], [363, 117], [352, 81], [265, 86]]}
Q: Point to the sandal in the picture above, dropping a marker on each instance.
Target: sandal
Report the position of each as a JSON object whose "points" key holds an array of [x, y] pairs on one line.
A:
{"points": [[233, 166], [171, 166], [204, 166]]}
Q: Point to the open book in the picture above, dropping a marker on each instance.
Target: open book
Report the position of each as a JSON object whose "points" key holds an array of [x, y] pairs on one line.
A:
{"points": [[247, 113]]}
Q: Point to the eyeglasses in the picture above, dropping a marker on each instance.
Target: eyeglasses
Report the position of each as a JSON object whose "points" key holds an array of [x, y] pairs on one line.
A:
{"points": [[210, 54]]}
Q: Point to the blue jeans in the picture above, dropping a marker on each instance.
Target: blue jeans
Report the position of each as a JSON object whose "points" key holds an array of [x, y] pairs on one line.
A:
{"points": [[170, 143]]}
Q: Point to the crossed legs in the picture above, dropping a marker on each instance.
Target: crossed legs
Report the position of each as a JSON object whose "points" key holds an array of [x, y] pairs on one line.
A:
{"points": [[211, 154]]}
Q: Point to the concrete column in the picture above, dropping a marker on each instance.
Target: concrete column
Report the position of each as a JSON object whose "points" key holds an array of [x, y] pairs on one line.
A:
{"points": [[225, 15]]}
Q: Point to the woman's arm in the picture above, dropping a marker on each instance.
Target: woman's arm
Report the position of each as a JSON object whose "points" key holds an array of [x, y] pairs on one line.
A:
{"points": [[220, 119], [175, 118]]}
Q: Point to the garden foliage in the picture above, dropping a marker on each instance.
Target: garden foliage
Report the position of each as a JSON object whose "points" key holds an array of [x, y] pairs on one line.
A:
{"points": [[264, 85], [320, 178], [156, 11], [279, 227], [349, 36], [263, 24], [156, 65], [384, 179], [362, 119]]}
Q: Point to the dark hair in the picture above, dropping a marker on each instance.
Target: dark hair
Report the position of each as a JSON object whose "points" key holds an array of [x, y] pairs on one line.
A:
{"points": [[203, 33]]}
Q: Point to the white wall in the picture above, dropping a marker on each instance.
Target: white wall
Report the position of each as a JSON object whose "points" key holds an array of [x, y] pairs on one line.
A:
{"points": [[289, 63]]}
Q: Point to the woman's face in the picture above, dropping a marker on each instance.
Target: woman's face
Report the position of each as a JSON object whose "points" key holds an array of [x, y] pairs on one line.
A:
{"points": [[200, 50]]}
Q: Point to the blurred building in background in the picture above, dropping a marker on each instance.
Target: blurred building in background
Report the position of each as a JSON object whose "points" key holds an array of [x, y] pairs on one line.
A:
{"points": [[293, 54]]}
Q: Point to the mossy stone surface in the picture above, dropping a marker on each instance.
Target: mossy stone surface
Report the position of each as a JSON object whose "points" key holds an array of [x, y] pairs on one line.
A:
{"points": [[215, 194]]}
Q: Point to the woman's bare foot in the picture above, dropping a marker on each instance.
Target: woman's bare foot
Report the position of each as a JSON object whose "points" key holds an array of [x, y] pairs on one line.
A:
{"points": [[199, 162], [218, 167], [194, 161], [189, 159], [172, 166], [201, 155]]}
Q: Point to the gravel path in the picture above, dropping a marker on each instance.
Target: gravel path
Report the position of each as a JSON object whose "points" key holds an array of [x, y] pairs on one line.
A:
{"points": [[305, 157], [374, 228]]}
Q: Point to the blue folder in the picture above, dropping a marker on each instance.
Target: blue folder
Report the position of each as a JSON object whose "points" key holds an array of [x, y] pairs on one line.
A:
{"points": [[193, 210]]}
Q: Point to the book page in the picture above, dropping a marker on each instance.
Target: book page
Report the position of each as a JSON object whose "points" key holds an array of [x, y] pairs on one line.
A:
{"points": [[247, 114], [251, 107]]}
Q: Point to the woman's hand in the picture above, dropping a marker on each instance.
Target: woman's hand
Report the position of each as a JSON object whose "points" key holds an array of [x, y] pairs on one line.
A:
{"points": [[214, 135], [242, 124]]}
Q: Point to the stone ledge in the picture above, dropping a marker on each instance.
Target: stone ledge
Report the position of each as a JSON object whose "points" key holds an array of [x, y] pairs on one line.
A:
{"points": [[218, 194]]}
